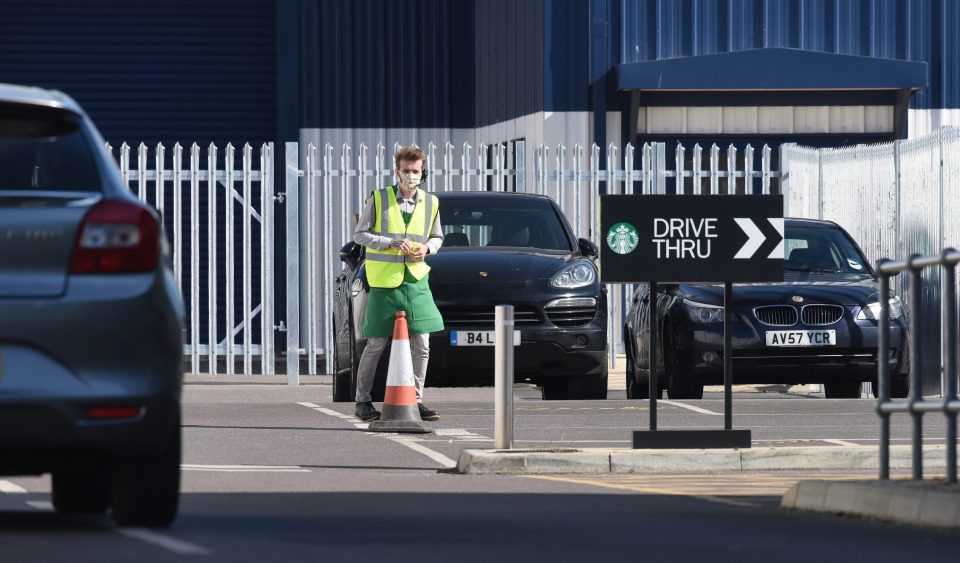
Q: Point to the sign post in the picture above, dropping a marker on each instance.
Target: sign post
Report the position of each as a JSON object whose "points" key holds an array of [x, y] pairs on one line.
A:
{"points": [[700, 238]]}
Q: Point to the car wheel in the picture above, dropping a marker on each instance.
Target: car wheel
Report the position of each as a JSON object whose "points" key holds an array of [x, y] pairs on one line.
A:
{"points": [[680, 383], [341, 381], [146, 488], [636, 389], [899, 387], [842, 390], [81, 492]]}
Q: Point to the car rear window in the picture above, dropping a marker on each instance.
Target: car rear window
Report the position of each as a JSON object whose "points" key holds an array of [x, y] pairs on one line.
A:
{"points": [[522, 223], [45, 149]]}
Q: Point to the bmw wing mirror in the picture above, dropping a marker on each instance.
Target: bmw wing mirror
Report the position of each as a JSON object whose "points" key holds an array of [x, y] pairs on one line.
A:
{"points": [[587, 248]]}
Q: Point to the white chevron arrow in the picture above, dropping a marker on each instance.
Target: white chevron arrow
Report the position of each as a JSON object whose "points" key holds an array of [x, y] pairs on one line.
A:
{"points": [[777, 252], [755, 238]]}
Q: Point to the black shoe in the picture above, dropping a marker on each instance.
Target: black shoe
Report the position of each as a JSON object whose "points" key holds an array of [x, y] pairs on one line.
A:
{"points": [[366, 412], [427, 414]]}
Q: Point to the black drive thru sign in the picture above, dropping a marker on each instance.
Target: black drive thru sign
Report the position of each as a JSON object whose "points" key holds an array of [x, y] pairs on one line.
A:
{"points": [[691, 238]]}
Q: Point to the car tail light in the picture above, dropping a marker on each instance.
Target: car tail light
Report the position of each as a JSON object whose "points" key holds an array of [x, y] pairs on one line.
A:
{"points": [[116, 237], [113, 413]]}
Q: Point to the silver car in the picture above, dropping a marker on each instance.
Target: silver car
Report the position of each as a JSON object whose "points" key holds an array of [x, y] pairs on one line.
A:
{"points": [[90, 320]]}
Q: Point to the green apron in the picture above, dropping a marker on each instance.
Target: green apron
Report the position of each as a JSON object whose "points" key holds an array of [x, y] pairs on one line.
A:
{"points": [[412, 296]]}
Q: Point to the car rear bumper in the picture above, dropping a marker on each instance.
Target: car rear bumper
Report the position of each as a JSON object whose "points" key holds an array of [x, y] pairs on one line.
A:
{"points": [[106, 343]]}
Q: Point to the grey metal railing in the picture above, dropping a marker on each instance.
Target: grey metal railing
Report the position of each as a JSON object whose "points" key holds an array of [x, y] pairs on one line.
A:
{"points": [[915, 404]]}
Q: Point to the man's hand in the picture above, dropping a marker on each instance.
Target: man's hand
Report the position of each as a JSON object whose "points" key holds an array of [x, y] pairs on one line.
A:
{"points": [[418, 253]]}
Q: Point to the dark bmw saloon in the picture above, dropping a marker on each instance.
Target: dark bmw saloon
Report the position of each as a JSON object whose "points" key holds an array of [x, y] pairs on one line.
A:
{"points": [[818, 326], [499, 249]]}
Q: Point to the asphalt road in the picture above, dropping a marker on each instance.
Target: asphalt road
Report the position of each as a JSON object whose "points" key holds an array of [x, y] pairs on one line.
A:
{"points": [[279, 473]]}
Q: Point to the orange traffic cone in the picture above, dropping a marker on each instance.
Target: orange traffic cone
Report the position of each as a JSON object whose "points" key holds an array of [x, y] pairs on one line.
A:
{"points": [[400, 412]]}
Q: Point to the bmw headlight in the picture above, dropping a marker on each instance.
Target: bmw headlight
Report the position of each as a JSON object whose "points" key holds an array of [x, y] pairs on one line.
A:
{"points": [[703, 313], [575, 275], [871, 312]]}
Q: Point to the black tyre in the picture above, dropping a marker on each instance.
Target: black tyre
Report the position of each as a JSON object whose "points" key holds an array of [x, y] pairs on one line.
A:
{"points": [[634, 389], [899, 387], [81, 492], [554, 389], [842, 390], [680, 382], [146, 488]]}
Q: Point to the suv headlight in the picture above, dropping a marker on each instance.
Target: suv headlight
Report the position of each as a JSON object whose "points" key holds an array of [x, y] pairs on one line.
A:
{"points": [[871, 312], [575, 275], [703, 313]]}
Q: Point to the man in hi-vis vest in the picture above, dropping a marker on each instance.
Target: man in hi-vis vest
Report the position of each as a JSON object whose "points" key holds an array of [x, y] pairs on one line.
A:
{"points": [[399, 226]]}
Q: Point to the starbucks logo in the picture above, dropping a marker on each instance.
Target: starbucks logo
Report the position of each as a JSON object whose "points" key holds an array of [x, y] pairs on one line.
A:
{"points": [[622, 238]]}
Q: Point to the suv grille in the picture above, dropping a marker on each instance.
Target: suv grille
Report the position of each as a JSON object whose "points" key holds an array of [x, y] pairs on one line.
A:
{"points": [[818, 315], [459, 316], [571, 316], [776, 315]]}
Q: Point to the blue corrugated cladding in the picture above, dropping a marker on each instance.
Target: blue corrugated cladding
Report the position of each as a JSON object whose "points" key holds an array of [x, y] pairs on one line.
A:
{"points": [[566, 55], [180, 70], [509, 59], [375, 63], [915, 30]]}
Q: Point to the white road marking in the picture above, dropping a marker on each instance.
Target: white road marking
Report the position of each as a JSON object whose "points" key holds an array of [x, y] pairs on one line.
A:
{"points": [[8, 487], [419, 448], [41, 504], [330, 412], [408, 442], [689, 407], [838, 442], [335, 414], [179, 547], [245, 468]]}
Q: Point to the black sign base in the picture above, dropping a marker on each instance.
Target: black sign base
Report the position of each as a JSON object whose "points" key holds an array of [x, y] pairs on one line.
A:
{"points": [[690, 439]]}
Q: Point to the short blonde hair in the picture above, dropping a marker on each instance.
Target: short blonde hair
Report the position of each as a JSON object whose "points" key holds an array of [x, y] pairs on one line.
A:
{"points": [[410, 154]]}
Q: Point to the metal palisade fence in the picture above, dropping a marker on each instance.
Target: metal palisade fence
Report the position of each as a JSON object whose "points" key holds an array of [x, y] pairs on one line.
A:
{"points": [[218, 216], [896, 199], [218, 206]]}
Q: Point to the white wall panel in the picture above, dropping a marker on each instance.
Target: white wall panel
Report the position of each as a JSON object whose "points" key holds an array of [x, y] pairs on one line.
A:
{"points": [[811, 119]]}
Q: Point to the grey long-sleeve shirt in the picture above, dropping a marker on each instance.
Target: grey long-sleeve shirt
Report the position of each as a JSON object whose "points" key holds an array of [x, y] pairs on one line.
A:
{"points": [[363, 236]]}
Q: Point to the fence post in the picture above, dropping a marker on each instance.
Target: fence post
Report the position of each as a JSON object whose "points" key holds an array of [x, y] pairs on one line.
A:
{"points": [[520, 156], [883, 369], [660, 180], [292, 189], [949, 350]]}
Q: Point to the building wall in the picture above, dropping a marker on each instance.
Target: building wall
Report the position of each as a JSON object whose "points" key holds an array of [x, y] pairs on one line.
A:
{"points": [[184, 70], [914, 30]]}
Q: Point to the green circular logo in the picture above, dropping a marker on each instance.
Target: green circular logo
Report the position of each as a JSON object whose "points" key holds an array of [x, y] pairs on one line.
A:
{"points": [[622, 238]]}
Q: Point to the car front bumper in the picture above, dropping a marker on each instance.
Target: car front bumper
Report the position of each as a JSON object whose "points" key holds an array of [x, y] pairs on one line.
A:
{"points": [[543, 353], [853, 356]]}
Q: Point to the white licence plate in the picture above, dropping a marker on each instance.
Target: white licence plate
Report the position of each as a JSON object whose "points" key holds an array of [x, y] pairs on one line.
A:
{"points": [[478, 338], [801, 338]]}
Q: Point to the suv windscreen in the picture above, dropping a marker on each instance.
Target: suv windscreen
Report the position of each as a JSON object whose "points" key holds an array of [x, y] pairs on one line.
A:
{"points": [[523, 223], [45, 149]]}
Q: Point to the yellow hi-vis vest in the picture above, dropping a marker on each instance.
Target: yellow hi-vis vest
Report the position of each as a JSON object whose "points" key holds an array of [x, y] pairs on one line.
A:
{"points": [[385, 268]]}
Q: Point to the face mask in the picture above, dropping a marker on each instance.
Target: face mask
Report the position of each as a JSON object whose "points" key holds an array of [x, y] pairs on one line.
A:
{"points": [[410, 180]]}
